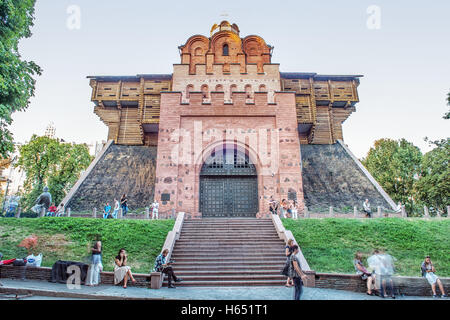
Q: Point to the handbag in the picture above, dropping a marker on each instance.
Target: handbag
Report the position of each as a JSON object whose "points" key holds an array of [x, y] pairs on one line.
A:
{"points": [[285, 271]]}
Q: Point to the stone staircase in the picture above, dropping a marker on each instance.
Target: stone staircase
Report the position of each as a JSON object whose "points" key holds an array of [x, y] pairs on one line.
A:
{"points": [[229, 252]]}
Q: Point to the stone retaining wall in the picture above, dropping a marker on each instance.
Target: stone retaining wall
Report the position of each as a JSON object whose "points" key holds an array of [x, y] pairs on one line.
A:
{"points": [[45, 274], [332, 178], [408, 286], [122, 169]]}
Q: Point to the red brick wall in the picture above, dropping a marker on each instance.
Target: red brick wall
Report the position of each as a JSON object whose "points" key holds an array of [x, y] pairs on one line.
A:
{"points": [[409, 286], [45, 274], [187, 133]]}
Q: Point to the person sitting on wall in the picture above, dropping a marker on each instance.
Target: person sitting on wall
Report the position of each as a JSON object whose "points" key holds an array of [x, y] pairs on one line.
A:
{"points": [[428, 272], [60, 210], [52, 210], [165, 267], [362, 271], [366, 208], [107, 211], [121, 270]]}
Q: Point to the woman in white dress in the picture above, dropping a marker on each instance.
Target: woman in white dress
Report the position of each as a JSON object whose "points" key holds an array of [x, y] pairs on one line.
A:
{"points": [[428, 271], [93, 274], [121, 270]]}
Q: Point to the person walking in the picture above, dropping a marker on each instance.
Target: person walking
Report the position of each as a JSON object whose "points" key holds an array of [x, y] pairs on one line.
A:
{"points": [[366, 208], [155, 207], [123, 203], [272, 204], [288, 253], [284, 207], [93, 274], [296, 273], [387, 270], [116, 209], [165, 267], [428, 272], [121, 270]]}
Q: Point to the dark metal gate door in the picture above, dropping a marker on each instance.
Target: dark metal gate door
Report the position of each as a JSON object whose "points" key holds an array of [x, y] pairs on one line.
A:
{"points": [[228, 188]]}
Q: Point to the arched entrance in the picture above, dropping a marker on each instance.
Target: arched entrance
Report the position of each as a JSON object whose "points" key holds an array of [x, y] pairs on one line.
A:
{"points": [[228, 185]]}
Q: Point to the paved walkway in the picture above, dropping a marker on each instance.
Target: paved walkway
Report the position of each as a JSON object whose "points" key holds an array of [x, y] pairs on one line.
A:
{"points": [[43, 288]]}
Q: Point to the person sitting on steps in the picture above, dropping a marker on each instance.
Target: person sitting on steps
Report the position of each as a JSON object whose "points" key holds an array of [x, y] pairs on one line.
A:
{"points": [[165, 267]]}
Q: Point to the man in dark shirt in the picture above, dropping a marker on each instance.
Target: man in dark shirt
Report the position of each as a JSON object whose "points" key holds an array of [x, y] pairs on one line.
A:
{"points": [[123, 203]]}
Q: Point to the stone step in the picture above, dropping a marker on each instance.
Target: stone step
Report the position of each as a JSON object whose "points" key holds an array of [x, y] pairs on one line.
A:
{"points": [[201, 277], [228, 227], [227, 263], [237, 272], [258, 259], [233, 283], [225, 224], [229, 251], [229, 234], [236, 247], [197, 242], [224, 255], [231, 267]]}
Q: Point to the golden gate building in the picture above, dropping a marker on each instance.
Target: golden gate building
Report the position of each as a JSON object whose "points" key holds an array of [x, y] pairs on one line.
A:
{"points": [[224, 133]]}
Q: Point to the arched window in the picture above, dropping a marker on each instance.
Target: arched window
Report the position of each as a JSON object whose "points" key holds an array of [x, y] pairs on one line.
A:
{"points": [[205, 91], [189, 89], [198, 51], [233, 88], [248, 91], [262, 88], [219, 88], [225, 50]]}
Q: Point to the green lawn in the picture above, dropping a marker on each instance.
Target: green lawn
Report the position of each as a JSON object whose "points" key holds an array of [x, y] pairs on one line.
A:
{"points": [[70, 238], [329, 244]]}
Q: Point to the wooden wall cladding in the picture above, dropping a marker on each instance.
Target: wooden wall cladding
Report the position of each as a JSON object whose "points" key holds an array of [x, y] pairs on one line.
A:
{"points": [[156, 86], [107, 90], [321, 90], [304, 109], [300, 86], [130, 90], [342, 90]]}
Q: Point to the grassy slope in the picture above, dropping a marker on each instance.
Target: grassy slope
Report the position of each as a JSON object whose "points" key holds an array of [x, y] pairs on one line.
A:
{"points": [[329, 244], [69, 238]]}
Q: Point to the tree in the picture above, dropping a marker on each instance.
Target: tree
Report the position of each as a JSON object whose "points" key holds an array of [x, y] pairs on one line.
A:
{"points": [[447, 115], [433, 187], [16, 75], [49, 161], [396, 166]]}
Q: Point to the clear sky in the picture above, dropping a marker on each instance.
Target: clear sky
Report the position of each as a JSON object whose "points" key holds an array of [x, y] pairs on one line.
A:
{"points": [[405, 63]]}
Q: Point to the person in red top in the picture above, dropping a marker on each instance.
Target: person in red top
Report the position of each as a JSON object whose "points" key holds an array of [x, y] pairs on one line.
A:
{"points": [[52, 210]]}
